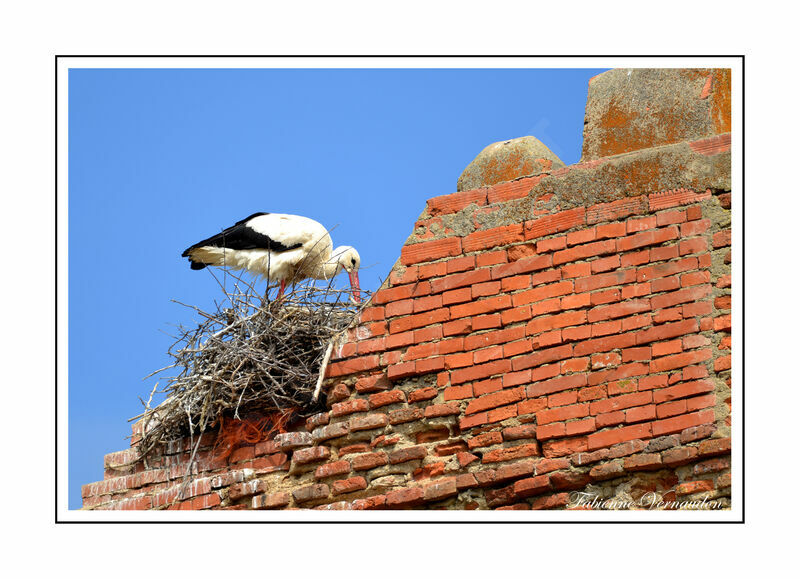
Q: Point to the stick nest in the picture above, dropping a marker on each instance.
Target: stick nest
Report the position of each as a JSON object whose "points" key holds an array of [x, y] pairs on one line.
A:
{"points": [[250, 356]]}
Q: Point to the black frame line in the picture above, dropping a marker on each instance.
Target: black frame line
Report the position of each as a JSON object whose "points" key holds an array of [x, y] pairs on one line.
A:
{"points": [[385, 56]]}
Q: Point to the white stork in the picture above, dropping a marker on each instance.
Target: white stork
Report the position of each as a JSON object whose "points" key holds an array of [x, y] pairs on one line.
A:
{"points": [[286, 248]]}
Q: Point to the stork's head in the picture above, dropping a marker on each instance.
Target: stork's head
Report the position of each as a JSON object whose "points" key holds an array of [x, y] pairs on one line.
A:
{"points": [[348, 259]]}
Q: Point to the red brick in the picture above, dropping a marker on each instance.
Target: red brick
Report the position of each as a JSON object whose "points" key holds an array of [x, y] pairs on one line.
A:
{"points": [[562, 399], [562, 413], [683, 391], [405, 498], [375, 502], [679, 456], [385, 398], [511, 453], [722, 239], [425, 303], [581, 236], [616, 435], [546, 323], [692, 487], [610, 230], [556, 223], [332, 469], [689, 294], [621, 402], [399, 308], [352, 366], [485, 439], [436, 410], [311, 454], [310, 493], [675, 197], [455, 202], [495, 399], [412, 322], [715, 447], [376, 382], [584, 251], [671, 217], [458, 280], [422, 394], [457, 296], [475, 308], [407, 454], [605, 280], [553, 430], [556, 385], [574, 270], [440, 489], [679, 360], [605, 344], [368, 460], [584, 426], [368, 422], [531, 486], [701, 402], [679, 423], [430, 250], [480, 371], [564, 447], [552, 244], [695, 227], [640, 413], [489, 288], [531, 406], [617, 209], [271, 501], [490, 258], [524, 265], [694, 245], [605, 264], [607, 471], [646, 238], [666, 331], [488, 238]]}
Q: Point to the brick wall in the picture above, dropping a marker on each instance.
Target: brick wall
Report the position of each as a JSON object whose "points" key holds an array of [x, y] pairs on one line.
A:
{"points": [[568, 331]]}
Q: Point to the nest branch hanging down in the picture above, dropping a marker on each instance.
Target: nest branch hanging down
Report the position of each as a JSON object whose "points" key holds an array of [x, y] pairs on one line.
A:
{"points": [[248, 356]]}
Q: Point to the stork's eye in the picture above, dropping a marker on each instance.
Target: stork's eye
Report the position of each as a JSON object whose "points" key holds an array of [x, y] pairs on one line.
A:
{"points": [[353, 260]]}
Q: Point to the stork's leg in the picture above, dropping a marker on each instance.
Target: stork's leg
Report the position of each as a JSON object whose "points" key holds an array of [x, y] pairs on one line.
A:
{"points": [[283, 288]]}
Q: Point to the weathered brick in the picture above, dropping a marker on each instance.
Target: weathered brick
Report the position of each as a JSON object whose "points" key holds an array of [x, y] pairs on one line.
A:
{"points": [[407, 454], [271, 501], [311, 493], [514, 452], [311, 454], [290, 440], [349, 485], [332, 469], [440, 489], [368, 422], [329, 431], [405, 498]]}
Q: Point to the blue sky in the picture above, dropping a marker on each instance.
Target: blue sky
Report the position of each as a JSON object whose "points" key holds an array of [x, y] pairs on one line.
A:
{"points": [[161, 158]]}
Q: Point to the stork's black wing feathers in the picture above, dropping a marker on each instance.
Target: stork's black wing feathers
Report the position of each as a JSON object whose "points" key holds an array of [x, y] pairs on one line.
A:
{"points": [[240, 236]]}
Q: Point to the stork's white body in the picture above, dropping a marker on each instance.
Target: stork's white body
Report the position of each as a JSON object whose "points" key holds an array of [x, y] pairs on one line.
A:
{"points": [[309, 242], [279, 247]]}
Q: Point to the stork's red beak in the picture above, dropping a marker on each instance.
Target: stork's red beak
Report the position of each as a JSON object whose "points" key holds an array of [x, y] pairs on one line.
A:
{"points": [[355, 286]]}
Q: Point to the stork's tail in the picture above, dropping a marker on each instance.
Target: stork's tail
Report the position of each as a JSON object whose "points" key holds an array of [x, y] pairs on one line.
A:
{"points": [[200, 257]]}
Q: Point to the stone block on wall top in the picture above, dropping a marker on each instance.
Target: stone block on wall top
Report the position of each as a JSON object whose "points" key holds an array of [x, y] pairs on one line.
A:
{"points": [[629, 109], [506, 161]]}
